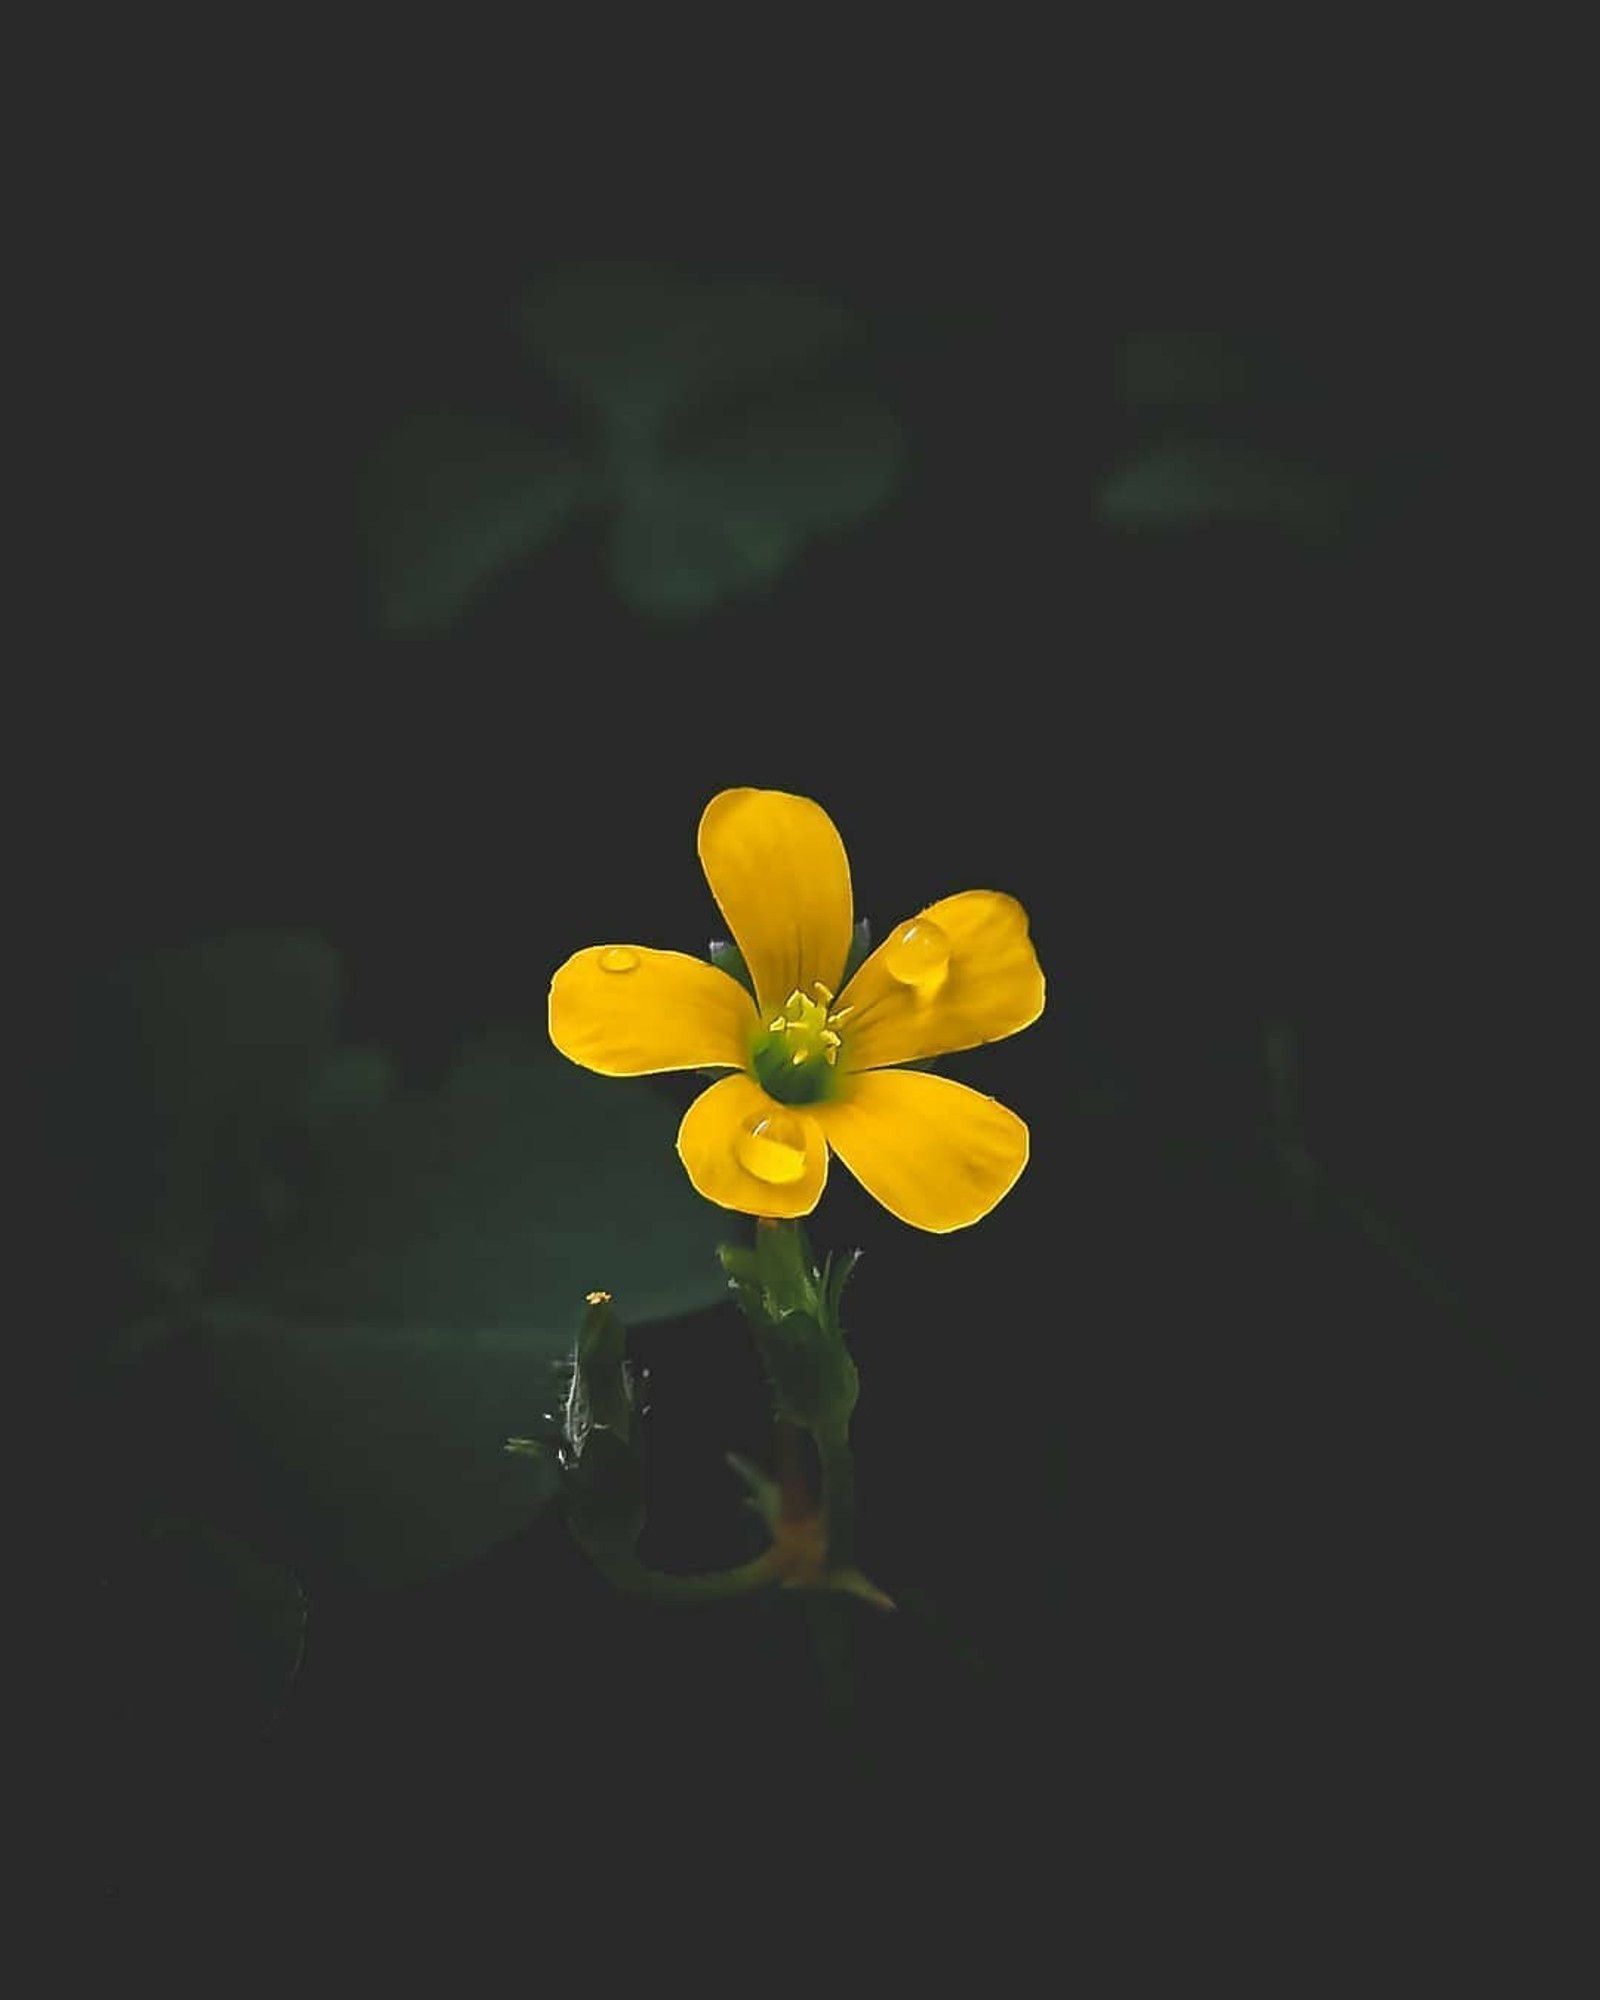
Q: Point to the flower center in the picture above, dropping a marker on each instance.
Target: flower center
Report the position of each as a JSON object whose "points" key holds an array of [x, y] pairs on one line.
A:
{"points": [[795, 1055]]}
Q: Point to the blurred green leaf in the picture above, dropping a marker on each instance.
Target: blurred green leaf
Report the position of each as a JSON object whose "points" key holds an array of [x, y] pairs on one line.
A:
{"points": [[356, 1080], [1184, 368], [200, 1633], [427, 1299], [733, 513], [187, 1062], [639, 342], [501, 1198], [810, 462], [1180, 482], [453, 501], [406, 1298], [383, 1447], [671, 558]]}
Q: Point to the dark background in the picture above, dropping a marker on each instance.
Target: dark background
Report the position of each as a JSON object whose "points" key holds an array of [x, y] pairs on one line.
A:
{"points": [[1231, 1541]]}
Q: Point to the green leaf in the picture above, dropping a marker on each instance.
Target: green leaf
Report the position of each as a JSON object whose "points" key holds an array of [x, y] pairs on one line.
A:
{"points": [[423, 1306], [451, 502]]}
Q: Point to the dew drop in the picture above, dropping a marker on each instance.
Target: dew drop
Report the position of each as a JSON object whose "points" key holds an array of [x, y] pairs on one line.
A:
{"points": [[772, 1146], [918, 955], [619, 959]]}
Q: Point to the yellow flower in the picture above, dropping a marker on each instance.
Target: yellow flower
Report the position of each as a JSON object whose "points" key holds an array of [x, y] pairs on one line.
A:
{"points": [[812, 1069]]}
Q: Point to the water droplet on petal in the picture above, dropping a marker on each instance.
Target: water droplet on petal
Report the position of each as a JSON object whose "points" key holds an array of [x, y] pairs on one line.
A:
{"points": [[618, 959], [772, 1146], [918, 955]]}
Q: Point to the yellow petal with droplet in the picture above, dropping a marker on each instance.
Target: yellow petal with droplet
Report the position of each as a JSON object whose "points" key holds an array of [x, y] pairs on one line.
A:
{"points": [[626, 1010], [917, 955], [905, 1003], [772, 1146], [720, 1145]]}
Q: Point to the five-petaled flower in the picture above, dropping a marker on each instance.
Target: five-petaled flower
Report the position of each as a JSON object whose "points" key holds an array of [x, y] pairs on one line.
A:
{"points": [[812, 1067]]}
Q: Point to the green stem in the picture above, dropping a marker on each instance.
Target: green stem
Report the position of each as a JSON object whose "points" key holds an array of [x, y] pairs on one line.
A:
{"points": [[656, 1586], [838, 1497], [788, 1454]]}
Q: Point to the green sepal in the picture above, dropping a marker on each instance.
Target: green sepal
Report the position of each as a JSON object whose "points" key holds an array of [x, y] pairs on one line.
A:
{"points": [[860, 946], [783, 1263], [744, 1275], [835, 1276], [814, 1381], [727, 957]]}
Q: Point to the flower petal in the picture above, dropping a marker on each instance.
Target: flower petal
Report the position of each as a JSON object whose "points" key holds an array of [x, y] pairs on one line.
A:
{"points": [[708, 1145], [625, 1010], [935, 1153], [992, 986], [778, 870]]}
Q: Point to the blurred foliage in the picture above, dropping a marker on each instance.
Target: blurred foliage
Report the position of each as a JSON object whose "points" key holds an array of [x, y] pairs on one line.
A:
{"points": [[456, 499], [715, 451], [1213, 408], [376, 1283], [207, 1634], [1239, 1498], [1172, 482]]}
